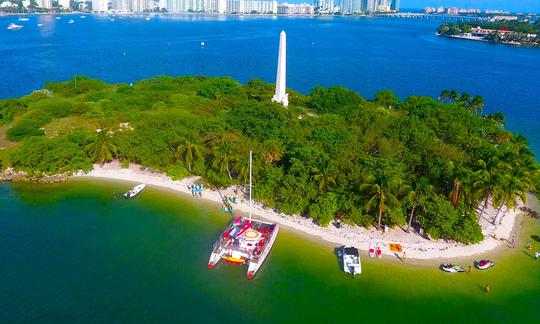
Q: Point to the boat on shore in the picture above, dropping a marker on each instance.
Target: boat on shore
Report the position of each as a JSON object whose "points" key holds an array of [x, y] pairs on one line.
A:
{"points": [[13, 26], [351, 260], [371, 250], [245, 241], [134, 191]]}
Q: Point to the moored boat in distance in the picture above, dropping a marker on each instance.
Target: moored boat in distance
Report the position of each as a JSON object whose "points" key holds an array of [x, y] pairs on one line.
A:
{"points": [[245, 241], [13, 26], [134, 191], [351, 260], [71, 21], [23, 19]]}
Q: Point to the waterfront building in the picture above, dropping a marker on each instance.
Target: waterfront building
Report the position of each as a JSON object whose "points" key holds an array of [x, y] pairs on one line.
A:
{"points": [[47, 4], [324, 6], [295, 9], [440, 9], [64, 3], [452, 11], [100, 5], [351, 7], [141, 5], [216, 6], [395, 5], [120, 5]]}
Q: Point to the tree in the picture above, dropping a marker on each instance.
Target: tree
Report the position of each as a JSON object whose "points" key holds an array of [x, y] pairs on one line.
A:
{"points": [[189, 152], [223, 156], [387, 99], [325, 175], [476, 105], [381, 190], [102, 149], [421, 189]]}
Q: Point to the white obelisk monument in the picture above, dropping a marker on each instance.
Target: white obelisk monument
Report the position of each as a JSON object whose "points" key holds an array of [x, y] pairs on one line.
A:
{"points": [[281, 96]]}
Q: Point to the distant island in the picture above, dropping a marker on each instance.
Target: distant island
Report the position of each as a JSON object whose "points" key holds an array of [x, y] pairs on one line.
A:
{"points": [[432, 163], [504, 32]]}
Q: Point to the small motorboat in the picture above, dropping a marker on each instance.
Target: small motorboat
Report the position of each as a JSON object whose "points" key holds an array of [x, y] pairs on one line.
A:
{"points": [[82, 17], [58, 18], [379, 252], [134, 191], [371, 250], [71, 21], [484, 264], [13, 26], [448, 267], [147, 18], [351, 260], [39, 25], [23, 19]]}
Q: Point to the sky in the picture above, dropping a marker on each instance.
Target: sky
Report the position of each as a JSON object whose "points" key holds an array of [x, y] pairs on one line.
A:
{"points": [[510, 5]]}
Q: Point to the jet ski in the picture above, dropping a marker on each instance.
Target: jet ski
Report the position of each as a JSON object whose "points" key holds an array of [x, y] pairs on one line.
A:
{"points": [[484, 264], [379, 252], [448, 267]]}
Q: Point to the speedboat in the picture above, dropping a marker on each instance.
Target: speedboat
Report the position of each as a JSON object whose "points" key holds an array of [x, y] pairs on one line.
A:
{"points": [[351, 260], [39, 25], [71, 21], [23, 19], [82, 17], [371, 250], [147, 18], [245, 241], [13, 26], [134, 191], [484, 264], [58, 18], [448, 267]]}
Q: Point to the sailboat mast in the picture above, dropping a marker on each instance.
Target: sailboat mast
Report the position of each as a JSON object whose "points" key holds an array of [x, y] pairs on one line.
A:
{"points": [[250, 162]]}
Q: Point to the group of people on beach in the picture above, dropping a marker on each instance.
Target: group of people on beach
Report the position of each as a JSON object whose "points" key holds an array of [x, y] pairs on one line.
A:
{"points": [[196, 190], [227, 204]]}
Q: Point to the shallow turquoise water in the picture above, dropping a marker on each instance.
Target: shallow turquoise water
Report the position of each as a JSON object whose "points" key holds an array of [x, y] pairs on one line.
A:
{"points": [[71, 252]]}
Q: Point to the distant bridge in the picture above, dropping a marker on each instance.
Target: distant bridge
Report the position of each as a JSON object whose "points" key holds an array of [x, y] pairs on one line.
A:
{"points": [[418, 15]]}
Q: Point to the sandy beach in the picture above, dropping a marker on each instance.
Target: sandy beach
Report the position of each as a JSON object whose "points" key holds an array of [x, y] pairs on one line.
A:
{"points": [[415, 246]]}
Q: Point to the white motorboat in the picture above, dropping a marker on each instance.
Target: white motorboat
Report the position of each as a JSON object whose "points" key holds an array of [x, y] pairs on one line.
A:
{"points": [[245, 241], [39, 25], [13, 26], [58, 18], [134, 191], [82, 17], [23, 19], [71, 21], [351, 260]]}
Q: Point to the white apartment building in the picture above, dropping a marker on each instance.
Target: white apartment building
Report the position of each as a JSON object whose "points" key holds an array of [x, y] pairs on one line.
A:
{"points": [[100, 5], [295, 9]]}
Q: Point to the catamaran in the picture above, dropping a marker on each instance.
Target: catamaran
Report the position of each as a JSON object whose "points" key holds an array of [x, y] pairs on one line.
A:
{"points": [[245, 241]]}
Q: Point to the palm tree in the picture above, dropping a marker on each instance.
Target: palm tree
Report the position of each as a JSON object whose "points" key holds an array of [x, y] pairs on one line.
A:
{"points": [[421, 188], [460, 184], [325, 176], [272, 151], [189, 152], [445, 94], [241, 168], [497, 118], [223, 157], [102, 150], [516, 187], [488, 181], [476, 105], [380, 189], [453, 95]]}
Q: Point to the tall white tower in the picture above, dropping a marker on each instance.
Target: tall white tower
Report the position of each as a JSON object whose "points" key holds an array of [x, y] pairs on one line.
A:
{"points": [[281, 79]]}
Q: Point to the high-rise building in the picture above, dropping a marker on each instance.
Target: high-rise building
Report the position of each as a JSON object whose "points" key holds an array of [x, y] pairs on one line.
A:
{"points": [[324, 6], [295, 9], [395, 5], [351, 7], [47, 4], [100, 5], [64, 3], [121, 5]]}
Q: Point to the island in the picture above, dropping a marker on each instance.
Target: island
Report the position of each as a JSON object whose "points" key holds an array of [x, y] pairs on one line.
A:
{"points": [[436, 165], [517, 33]]}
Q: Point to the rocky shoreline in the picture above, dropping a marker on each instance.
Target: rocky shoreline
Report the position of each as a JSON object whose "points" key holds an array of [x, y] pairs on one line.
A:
{"points": [[10, 175]]}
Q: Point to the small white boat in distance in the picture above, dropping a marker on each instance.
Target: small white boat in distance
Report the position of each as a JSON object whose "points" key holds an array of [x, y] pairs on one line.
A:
{"points": [[134, 191], [23, 19], [71, 21], [351, 260], [13, 26], [58, 18], [39, 25], [82, 17]]}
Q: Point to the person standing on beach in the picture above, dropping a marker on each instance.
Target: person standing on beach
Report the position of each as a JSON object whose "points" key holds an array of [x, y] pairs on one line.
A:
{"points": [[403, 258], [513, 242], [469, 269]]}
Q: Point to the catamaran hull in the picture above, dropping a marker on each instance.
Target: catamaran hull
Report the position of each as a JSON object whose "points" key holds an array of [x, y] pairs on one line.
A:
{"points": [[255, 266]]}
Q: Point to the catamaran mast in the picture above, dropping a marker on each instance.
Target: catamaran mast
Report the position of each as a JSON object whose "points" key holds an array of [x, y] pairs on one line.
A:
{"points": [[250, 159]]}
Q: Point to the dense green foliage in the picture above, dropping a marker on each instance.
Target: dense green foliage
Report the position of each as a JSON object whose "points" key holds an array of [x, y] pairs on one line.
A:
{"points": [[331, 154]]}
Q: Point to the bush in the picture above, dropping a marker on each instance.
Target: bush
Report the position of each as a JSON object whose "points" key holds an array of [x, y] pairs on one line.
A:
{"points": [[218, 88], [25, 128]]}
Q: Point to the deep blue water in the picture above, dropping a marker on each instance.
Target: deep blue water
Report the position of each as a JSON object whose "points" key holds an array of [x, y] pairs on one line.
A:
{"points": [[365, 54]]}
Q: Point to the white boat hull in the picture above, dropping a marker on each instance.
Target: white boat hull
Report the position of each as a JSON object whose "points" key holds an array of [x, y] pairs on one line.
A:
{"points": [[255, 266]]}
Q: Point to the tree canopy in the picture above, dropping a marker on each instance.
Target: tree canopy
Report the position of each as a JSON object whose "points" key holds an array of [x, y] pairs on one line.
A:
{"points": [[428, 162]]}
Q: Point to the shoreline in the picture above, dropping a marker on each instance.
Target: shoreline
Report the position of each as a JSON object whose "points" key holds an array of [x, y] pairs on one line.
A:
{"points": [[416, 247]]}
